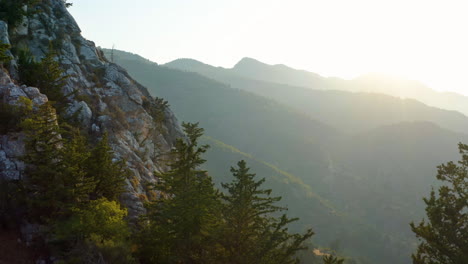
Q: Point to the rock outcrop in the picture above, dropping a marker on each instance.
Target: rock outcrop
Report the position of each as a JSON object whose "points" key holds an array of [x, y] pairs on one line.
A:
{"points": [[100, 94], [12, 144]]}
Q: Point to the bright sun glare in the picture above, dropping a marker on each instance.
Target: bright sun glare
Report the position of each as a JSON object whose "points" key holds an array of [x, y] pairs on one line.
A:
{"points": [[420, 40], [414, 39]]}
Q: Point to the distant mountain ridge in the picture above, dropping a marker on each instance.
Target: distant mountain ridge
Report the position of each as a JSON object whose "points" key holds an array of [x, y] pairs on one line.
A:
{"points": [[254, 69], [369, 178], [347, 111], [374, 83]]}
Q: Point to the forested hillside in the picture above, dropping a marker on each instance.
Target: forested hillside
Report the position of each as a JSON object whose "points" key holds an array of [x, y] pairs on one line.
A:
{"points": [[94, 169], [359, 175], [107, 157]]}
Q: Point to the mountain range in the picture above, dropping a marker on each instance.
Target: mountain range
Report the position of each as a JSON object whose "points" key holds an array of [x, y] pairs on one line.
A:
{"points": [[353, 165], [347, 111], [351, 159]]}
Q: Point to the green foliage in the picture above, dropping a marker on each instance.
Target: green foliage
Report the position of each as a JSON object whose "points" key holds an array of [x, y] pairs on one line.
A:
{"points": [[156, 108], [350, 173], [181, 222], [56, 178], [12, 115], [78, 172], [99, 221], [43, 142], [444, 238], [4, 57], [252, 234], [189, 224], [98, 230], [51, 77], [12, 11], [47, 75], [27, 66], [74, 159], [109, 177], [73, 187]]}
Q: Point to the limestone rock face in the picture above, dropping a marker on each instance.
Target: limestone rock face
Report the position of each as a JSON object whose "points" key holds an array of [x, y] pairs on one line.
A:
{"points": [[101, 94], [12, 144], [4, 33]]}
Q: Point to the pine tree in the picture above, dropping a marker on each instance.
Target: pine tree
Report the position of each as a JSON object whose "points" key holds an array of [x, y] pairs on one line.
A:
{"points": [[72, 189], [252, 233], [13, 11], [94, 233], [43, 181], [76, 182], [28, 68], [444, 237], [11, 116], [47, 75], [4, 57], [52, 78], [109, 176], [182, 220]]}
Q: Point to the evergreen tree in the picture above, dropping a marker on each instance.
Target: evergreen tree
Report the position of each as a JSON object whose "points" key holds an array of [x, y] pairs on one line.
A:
{"points": [[47, 75], [4, 57], [109, 176], [252, 233], [70, 187], [444, 237], [28, 67], [75, 155], [44, 156], [13, 11], [55, 176], [13, 115], [183, 219], [56, 173], [95, 233], [63, 172], [51, 77]]}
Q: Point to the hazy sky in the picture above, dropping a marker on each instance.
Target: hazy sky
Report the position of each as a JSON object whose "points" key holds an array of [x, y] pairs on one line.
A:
{"points": [[421, 40]]}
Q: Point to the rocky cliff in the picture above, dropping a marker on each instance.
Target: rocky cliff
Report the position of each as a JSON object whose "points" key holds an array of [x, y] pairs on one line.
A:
{"points": [[100, 93]]}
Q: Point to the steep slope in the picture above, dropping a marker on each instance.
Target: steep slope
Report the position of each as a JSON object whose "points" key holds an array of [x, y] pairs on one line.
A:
{"points": [[12, 167], [358, 188], [254, 70], [377, 177], [249, 126], [249, 122], [101, 94], [382, 175], [220, 157]]}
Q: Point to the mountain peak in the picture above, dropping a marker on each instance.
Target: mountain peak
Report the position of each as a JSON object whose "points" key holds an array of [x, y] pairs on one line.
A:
{"points": [[186, 60], [187, 64], [249, 62]]}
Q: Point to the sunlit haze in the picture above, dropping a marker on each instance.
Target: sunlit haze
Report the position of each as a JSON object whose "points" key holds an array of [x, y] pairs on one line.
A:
{"points": [[316, 131], [419, 40]]}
